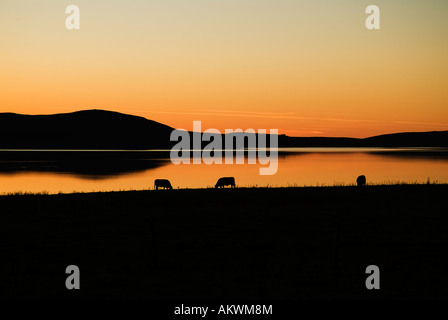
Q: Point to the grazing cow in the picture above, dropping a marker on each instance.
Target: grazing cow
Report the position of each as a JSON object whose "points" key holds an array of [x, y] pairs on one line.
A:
{"points": [[361, 181], [162, 183], [226, 181]]}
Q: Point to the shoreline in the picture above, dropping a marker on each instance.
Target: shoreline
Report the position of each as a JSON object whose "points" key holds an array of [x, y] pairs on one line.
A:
{"points": [[353, 185]]}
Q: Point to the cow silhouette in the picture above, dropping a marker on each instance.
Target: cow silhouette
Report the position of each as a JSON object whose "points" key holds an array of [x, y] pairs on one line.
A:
{"points": [[361, 181], [162, 183], [226, 181]]}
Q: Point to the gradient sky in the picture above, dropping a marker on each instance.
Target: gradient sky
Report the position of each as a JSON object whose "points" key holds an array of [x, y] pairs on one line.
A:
{"points": [[307, 68]]}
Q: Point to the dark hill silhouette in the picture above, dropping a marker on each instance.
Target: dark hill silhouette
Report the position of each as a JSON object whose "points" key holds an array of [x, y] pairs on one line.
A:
{"points": [[406, 139], [410, 139], [100, 129], [89, 129]]}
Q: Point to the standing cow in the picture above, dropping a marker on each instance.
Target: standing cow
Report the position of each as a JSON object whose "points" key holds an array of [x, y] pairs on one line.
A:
{"points": [[226, 181], [162, 183], [361, 181]]}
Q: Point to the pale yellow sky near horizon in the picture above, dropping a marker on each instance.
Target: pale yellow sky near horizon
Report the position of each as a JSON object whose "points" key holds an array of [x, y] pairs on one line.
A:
{"points": [[307, 68]]}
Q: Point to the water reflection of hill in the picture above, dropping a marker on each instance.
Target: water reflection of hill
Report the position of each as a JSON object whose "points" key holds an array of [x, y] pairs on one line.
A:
{"points": [[410, 153], [430, 154], [84, 164], [106, 164]]}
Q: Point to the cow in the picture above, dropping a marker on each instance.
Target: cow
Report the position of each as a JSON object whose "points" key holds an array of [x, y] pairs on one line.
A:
{"points": [[361, 181], [162, 183], [226, 181]]}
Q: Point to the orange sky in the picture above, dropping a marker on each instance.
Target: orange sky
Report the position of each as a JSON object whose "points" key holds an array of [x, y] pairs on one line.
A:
{"points": [[306, 68]]}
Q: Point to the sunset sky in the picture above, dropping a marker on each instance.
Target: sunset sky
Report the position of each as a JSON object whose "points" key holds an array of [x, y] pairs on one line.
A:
{"points": [[306, 68]]}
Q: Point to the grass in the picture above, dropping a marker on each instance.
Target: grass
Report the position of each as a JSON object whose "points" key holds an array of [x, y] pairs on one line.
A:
{"points": [[255, 186], [253, 243]]}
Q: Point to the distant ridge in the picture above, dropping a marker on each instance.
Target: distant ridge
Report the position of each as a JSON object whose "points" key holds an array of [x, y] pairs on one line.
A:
{"points": [[101, 129], [404, 139], [410, 139]]}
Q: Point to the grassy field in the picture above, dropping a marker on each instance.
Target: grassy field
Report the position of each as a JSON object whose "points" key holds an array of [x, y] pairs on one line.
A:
{"points": [[260, 243]]}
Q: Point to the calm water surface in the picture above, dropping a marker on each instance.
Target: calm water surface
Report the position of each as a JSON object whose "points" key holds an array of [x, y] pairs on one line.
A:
{"points": [[296, 167]]}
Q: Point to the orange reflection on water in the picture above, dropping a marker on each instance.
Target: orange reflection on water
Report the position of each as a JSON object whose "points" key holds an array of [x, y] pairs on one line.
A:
{"points": [[296, 169]]}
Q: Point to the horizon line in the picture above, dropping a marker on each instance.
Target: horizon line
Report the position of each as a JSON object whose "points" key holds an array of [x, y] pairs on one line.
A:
{"points": [[247, 114]]}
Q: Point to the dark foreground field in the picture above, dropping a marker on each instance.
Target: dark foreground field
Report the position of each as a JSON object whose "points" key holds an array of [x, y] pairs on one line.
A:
{"points": [[294, 243]]}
